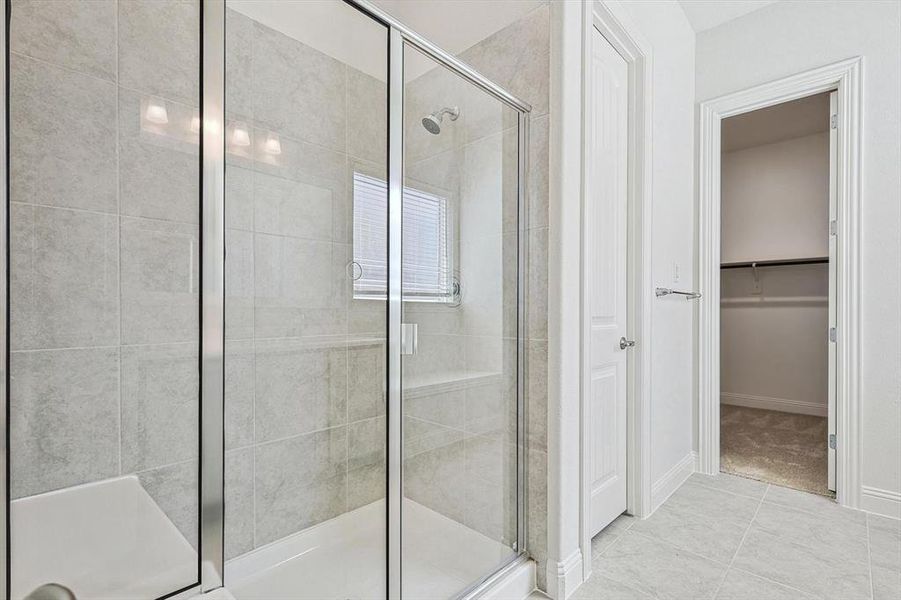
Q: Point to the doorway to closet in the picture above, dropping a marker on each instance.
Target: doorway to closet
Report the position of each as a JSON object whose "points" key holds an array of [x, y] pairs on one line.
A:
{"points": [[777, 294]]}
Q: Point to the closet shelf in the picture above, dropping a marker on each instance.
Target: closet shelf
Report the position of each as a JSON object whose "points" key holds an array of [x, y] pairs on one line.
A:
{"points": [[815, 260]]}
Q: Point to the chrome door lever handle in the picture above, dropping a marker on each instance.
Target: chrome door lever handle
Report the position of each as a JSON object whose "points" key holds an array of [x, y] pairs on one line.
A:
{"points": [[624, 343]]}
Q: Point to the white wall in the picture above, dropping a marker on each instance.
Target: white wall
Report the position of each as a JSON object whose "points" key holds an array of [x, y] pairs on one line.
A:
{"points": [[775, 205], [564, 559], [773, 348], [665, 28], [662, 30], [789, 37], [775, 200]]}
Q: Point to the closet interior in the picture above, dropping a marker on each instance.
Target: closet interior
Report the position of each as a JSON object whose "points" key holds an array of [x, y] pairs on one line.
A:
{"points": [[777, 294]]}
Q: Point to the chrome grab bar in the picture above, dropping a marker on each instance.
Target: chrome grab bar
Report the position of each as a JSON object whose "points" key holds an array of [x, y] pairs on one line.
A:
{"points": [[51, 591], [667, 291]]}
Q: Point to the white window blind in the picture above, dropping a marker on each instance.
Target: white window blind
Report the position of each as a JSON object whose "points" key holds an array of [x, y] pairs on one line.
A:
{"points": [[426, 266]]}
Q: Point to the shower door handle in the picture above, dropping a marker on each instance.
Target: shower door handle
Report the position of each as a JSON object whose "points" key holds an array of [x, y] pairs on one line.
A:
{"points": [[409, 338], [624, 343]]}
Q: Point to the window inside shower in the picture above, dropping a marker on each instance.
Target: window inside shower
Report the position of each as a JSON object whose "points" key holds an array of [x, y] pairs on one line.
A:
{"points": [[428, 251]]}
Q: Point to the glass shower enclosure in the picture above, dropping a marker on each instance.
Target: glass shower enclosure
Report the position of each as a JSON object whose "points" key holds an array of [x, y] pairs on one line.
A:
{"points": [[264, 296]]}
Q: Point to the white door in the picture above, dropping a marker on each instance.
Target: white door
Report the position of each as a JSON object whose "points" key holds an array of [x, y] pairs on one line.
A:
{"points": [[833, 241], [605, 283]]}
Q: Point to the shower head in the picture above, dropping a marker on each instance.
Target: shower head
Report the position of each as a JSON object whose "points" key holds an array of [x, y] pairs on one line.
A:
{"points": [[432, 122]]}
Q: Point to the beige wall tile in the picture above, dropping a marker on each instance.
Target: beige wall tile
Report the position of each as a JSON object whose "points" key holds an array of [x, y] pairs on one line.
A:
{"points": [[160, 281], [64, 278], [159, 164], [298, 91], [57, 438], [159, 48], [160, 405], [298, 389], [239, 512], [62, 137], [239, 393], [78, 35], [299, 482]]}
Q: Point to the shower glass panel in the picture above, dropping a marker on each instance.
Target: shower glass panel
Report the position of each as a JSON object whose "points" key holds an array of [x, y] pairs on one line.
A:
{"points": [[305, 306], [104, 296], [460, 301], [327, 334]]}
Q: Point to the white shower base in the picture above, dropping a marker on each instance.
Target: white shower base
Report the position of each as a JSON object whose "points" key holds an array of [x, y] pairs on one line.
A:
{"points": [[105, 541], [344, 558]]}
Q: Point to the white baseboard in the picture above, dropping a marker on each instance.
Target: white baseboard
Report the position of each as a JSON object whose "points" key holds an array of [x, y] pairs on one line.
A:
{"points": [[565, 576], [801, 407], [881, 502], [664, 487]]}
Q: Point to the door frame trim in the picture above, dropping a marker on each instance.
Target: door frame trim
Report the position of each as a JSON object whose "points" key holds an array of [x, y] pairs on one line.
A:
{"points": [[613, 25], [845, 77]]}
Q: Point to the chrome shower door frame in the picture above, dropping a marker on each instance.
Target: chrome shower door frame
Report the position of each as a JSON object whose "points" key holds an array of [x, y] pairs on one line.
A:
{"points": [[400, 37], [212, 298], [4, 299]]}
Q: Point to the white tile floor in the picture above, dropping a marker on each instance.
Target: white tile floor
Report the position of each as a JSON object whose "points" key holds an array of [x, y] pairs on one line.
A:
{"points": [[730, 538]]}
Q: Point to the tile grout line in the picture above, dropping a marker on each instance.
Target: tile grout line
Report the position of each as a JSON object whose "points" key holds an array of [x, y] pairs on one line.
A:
{"points": [[741, 543], [730, 566], [678, 549], [804, 511], [757, 575], [615, 541], [701, 483], [773, 581]]}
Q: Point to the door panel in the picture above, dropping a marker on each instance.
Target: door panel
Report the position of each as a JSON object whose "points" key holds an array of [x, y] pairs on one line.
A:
{"points": [[833, 266], [606, 256]]}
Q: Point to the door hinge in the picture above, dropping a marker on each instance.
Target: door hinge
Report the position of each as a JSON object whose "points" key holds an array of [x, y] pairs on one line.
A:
{"points": [[833, 227], [832, 334], [832, 441], [833, 122]]}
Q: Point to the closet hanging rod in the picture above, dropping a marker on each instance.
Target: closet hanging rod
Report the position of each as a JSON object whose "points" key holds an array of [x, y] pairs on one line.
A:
{"points": [[777, 262]]}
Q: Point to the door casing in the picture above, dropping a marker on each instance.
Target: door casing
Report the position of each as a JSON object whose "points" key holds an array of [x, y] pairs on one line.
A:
{"points": [[614, 27], [845, 78]]}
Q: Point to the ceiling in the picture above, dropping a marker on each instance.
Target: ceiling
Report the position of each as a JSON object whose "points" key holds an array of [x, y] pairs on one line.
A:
{"points": [[707, 14], [336, 29], [776, 123], [455, 25]]}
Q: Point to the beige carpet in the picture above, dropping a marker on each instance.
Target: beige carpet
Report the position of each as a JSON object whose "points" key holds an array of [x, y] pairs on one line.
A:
{"points": [[780, 448]]}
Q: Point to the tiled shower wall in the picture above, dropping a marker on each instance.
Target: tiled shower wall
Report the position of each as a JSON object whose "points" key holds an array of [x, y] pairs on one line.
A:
{"points": [[458, 441], [459, 387], [518, 59], [104, 245], [305, 399]]}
